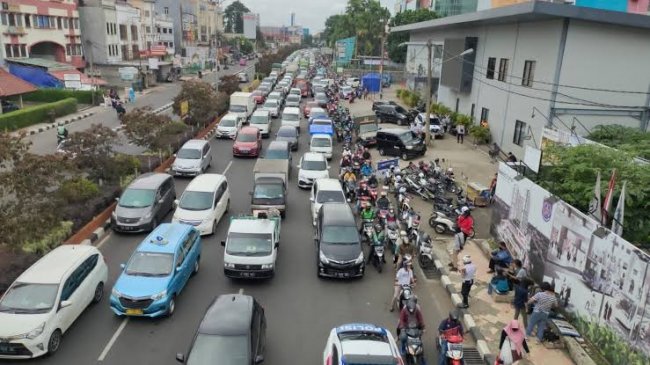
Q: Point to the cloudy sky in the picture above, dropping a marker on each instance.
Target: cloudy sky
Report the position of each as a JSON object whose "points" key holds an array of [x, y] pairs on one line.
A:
{"points": [[309, 13]]}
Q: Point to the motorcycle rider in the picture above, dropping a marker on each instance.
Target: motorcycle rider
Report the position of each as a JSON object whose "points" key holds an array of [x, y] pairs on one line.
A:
{"points": [[451, 322], [404, 276], [465, 223], [349, 175], [391, 217], [377, 240], [61, 133], [366, 168], [366, 214], [366, 154], [405, 248], [346, 161], [409, 317], [383, 203]]}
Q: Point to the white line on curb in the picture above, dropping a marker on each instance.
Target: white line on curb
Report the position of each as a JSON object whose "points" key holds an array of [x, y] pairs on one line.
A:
{"points": [[103, 240], [111, 342], [227, 168]]}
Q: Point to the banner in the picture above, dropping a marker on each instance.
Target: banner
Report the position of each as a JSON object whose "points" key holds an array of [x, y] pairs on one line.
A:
{"points": [[619, 213]]}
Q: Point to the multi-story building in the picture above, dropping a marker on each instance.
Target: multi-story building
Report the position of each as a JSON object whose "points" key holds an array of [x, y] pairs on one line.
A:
{"points": [[41, 29], [148, 34], [101, 43], [164, 28], [128, 24], [171, 10]]}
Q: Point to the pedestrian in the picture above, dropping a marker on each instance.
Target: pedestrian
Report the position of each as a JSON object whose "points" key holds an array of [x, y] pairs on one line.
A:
{"points": [[493, 187], [460, 133], [457, 246], [544, 301], [499, 258], [468, 271], [512, 345], [520, 299], [365, 93], [519, 272]]}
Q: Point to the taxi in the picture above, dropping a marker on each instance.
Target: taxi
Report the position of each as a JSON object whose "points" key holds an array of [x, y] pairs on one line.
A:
{"points": [[361, 343]]}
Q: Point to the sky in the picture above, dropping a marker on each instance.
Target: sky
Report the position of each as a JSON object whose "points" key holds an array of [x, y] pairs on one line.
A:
{"points": [[309, 13]]}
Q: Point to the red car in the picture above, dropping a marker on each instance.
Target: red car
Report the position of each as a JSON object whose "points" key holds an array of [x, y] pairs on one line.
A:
{"points": [[248, 142], [304, 87], [259, 97], [308, 106]]}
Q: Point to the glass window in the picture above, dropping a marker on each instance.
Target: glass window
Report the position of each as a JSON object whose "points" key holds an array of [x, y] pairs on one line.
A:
{"points": [[228, 349], [529, 73], [503, 69], [492, 62], [3, 16], [291, 117], [249, 244], [150, 264], [228, 122], [28, 21], [330, 196], [311, 165], [276, 154], [189, 154], [287, 132], [520, 133], [246, 137], [137, 198], [196, 200], [268, 191], [407, 137], [485, 114], [340, 235], [237, 108], [321, 142], [261, 119], [29, 298]]}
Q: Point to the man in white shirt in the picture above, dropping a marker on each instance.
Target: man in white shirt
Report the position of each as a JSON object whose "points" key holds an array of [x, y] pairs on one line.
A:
{"points": [[468, 272], [404, 276], [460, 133]]}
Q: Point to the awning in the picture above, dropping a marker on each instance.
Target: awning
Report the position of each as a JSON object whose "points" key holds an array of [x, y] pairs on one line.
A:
{"points": [[84, 79], [154, 51], [11, 85]]}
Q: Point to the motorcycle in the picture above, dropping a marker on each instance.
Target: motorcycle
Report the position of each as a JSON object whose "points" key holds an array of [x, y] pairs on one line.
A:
{"points": [[414, 188], [405, 295], [453, 347], [425, 252], [368, 229], [442, 223], [350, 191], [392, 234], [377, 255], [414, 354]]}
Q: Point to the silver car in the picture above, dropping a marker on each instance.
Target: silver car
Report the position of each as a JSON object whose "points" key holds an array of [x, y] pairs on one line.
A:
{"points": [[144, 203]]}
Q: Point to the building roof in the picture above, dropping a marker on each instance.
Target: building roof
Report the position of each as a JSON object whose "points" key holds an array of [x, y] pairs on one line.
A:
{"points": [[41, 62], [11, 85], [531, 11], [60, 74]]}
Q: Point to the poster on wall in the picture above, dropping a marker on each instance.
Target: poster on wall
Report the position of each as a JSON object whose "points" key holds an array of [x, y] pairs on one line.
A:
{"points": [[597, 274]]}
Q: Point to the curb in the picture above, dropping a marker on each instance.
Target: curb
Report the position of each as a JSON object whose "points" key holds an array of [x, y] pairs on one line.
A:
{"points": [[60, 123], [468, 319]]}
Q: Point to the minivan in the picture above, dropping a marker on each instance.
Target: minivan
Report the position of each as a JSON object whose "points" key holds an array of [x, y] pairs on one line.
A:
{"points": [[321, 143], [144, 203], [47, 298], [261, 119], [193, 158], [399, 142], [291, 116], [340, 254], [203, 203]]}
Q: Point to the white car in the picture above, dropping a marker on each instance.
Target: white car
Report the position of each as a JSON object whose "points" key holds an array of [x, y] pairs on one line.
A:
{"points": [[228, 126], [325, 191], [261, 119], [272, 106], [203, 203], [193, 158], [361, 343], [291, 117], [353, 81], [243, 77], [276, 96], [313, 166], [435, 127], [295, 91], [321, 143], [46, 299]]}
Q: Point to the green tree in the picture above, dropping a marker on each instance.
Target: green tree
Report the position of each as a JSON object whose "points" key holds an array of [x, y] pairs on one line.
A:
{"points": [[364, 19], [229, 84], [233, 17], [202, 101], [143, 128], [628, 139], [396, 53], [92, 149], [337, 27]]}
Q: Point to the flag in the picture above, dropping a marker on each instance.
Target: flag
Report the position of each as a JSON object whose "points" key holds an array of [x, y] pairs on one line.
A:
{"points": [[609, 197], [595, 205], [619, 213]]}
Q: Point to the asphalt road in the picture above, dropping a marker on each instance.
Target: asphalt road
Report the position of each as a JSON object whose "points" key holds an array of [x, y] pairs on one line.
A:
{"points": [[45, 142], [300, 308]]}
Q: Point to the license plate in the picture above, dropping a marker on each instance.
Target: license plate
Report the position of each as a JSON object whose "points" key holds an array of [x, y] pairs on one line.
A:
{"points": [[342, 274], [134, 312], [248, 274], [127, 228], [244, 151]]}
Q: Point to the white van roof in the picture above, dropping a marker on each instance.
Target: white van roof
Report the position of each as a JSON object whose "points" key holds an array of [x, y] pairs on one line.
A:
{"points": [[52, 268], [195, 144], [329, 185], [232, 116], [205, 183], [291, 110]]}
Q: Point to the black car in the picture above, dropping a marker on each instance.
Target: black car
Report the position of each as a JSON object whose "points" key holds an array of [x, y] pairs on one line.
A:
{"points": [[232, 331], [8, 106], [389, 113], [289, 134], [340, 254], [399, 142], [376, 104]]}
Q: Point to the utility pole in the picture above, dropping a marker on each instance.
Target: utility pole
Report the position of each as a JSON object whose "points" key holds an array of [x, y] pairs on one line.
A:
{"points": [[381, 61], [427, 118], [92, 70]]}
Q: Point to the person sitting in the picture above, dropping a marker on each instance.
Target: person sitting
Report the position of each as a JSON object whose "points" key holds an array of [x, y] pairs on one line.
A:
{"points": [[410, 317], [449, 324], [405, 248], [500, 258], [346, 161], [62, 132], [349, 175], [366, 169], [383, 203], [499, 284], [511, 157]]}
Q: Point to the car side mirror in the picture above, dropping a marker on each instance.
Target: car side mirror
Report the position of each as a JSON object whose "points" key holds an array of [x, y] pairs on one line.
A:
{"points": [[259, 359], [65, 303], [122, 266], [174, 155], [178, 268], [311, 199], [223, 243], [160, 201], [180, 357], [277, 244]]}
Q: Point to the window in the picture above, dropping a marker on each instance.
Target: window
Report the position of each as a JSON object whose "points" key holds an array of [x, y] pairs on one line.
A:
{"points": [[492, 61], [171, 44], [12, 20], [485, 115], [146, 13], [125, 52], [335, 355], [134, 32], [181, 256], [529, 73], [471, 114], [73, 49], [148, 29], [3, 16], [123, 35], [157, 29], [164, 30], [76, 23], [28, 21], [16, 50], [166, 10], [503, 69], [520, 133], [136, 51], [108, 28], [59, 23], [457, 104]]}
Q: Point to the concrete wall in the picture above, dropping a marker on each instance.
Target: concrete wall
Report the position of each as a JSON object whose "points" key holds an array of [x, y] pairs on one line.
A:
{"points": [[94, 16]]}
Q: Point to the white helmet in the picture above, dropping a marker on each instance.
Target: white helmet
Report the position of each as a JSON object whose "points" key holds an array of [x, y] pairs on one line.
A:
{"points": [[450, 170], [402, 233], [464, 209], [421, 175], [467, 259]]}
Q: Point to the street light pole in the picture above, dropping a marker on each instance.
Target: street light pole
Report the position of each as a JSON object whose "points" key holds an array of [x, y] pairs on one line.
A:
{"points": [[381, 61], [427, 112]]}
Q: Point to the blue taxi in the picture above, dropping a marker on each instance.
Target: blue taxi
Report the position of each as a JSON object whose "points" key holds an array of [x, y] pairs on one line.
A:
{"points": [[361, 343], [321, 126], [157, 271]]}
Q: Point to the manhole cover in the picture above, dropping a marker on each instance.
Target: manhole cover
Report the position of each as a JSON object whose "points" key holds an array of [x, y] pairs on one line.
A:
{"points": [[429, 270], [471, 356]]}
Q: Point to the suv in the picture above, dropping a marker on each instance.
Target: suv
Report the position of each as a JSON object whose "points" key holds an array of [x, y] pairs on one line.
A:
{"points": [[193, 158], [399, 142], [232, 330], [376, 104], [340, 254], [144, 203], [392, 114], [361, 343], [435, 127]]}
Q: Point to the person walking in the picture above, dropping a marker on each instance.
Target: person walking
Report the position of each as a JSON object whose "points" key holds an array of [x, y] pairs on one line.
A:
{"points": [[544, 301], [456, 247], [512, 345], [520, 299], [468, 271], [460, 133]]}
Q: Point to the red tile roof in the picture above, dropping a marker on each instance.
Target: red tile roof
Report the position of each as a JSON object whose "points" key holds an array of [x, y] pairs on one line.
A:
{"points": [[84, 78], [11, 85]]}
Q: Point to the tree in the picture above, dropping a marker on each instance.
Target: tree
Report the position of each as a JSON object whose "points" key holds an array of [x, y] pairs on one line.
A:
{"points": [[93, 151], [229, 84], [233, 17], [395, 52], [143, 127], [628, 139], [246, 46], [202, 101], [364, 19]]}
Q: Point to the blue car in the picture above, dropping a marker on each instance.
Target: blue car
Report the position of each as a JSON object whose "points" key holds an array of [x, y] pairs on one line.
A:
{"points": [[321, 126], [157, 272]]}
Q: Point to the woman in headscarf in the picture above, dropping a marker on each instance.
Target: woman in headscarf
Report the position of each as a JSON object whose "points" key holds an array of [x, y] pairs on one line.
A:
{"points": [[512, 345]]}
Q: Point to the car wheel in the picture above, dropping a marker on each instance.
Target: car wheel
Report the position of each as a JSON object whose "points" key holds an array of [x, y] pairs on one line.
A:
{"points": [[172, 306], [99, 293], [197, 265], [154, 224], [382, 152], [405, 156], [54, 343], [227, 206]]}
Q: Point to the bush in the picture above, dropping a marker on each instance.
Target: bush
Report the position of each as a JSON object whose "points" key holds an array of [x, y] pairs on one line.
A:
{"points": [[51, 240], [38, 114], [399, 92], [78, 189], [481, 134], [52, 95]]}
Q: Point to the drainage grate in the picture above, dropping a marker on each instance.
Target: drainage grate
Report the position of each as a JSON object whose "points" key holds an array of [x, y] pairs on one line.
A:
{"points": [[429, 269], [471, 356]]}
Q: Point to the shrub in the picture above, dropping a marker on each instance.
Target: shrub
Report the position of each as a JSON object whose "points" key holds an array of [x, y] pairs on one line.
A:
{"points": [[52, 95], [54, 238], [481, 134], [37, 114], [399, 92], [78, 189]]}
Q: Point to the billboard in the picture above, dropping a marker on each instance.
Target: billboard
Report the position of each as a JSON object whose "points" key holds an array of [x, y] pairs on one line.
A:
{"points": [[250, 25], [344, 50]]}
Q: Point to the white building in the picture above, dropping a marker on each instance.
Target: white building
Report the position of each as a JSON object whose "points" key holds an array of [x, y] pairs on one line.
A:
{"points": [[164, 28], [129, 25], [101, 44], [542, 64]]}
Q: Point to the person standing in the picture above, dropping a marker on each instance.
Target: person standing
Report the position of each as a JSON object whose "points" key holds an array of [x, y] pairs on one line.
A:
{"points": [[456, 247], [520, 299], [544, 301], [460, 133], [468, 271], [512, 344]]}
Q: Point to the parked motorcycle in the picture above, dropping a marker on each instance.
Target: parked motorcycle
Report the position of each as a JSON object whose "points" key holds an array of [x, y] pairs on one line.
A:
{"points": [[425, 250]]}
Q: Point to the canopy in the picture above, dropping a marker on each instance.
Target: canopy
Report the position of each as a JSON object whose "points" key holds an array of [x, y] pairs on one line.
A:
{"points": [[11, 85], [372, 82]]}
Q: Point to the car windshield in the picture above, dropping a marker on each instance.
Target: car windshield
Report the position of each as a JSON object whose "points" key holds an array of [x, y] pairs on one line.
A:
{"points": [[257, 93], [313, 165], [271, 104], [259, 119], [276, 155], [246, 137], [237, 108], [340, 235], [368, 127], [293, 98], [322, 122], [189, 154], [249, 244], [347, 89], [196, 200], [399, 109], [291, 117], [407, 137], [137, 198], [228, 123], [268, 191], [150, 264], [29, 298], [321, 142], [225, 350], [330, 196], [287, 132]]}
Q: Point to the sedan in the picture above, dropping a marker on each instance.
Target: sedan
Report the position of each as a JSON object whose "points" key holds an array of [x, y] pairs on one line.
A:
{"points": [[258, 96], [289, 134], [273, 107], [248, 142], [346, 92]]}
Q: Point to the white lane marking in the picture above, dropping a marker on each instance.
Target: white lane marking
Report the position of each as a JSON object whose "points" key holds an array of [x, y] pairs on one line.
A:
{"points": [[103, 240], [227, 168], [241, 291], [111, 342]]}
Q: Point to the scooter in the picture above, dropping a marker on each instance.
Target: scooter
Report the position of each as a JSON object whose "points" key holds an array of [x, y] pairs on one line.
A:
{"points": [[392, 234], [442, 223], [377, 255], [453, 348], [368, 230], [414, 350], [425, 251], [405, 295]]}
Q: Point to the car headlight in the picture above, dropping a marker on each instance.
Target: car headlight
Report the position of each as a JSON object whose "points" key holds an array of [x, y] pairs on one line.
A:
{"points": [[409, 147], [228, 265], [160, 295], [323, 258], [115, 293], [359, 259], [114, 215], [146, 216], [267, 266], [33, 333]]}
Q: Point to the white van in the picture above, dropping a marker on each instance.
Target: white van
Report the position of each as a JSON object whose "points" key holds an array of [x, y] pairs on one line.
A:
{"points": [[291, 117], [261, 119], [203, 203], [321, 143], [193, 158]]}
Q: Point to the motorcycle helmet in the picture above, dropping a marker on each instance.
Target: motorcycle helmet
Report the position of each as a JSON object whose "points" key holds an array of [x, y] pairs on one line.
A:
{"points": [[453, 315], [450, 171], [378, 228], [411, 305], [421, 175], [402, 233], [467, 259], [383, 193], [464, 210]]}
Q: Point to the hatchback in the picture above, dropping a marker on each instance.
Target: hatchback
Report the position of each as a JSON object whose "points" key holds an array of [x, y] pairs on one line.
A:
{"points": [[248, 142], [193, 158], [144, 203], [312, 166]]}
